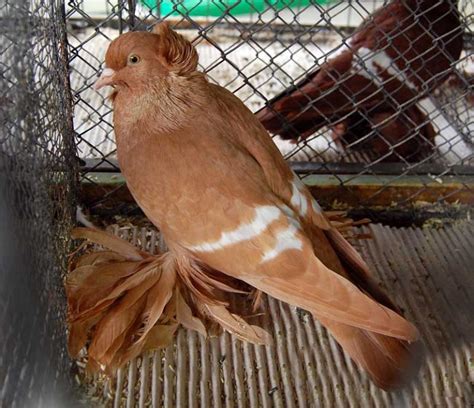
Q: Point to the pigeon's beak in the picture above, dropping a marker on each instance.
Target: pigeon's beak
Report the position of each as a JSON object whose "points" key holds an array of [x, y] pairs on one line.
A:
{"points": [[105, 79]]}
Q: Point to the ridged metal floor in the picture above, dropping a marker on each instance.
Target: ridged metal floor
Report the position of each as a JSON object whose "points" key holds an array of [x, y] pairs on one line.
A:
{"points": [[431, 276]]}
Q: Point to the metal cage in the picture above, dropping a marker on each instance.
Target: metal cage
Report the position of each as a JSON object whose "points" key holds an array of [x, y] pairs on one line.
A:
{"points": [[57, 147], [257, 49]]}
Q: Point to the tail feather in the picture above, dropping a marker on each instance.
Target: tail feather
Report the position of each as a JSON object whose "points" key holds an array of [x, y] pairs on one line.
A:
{"points": [[388, 361], [334, 297], [356, 268]]}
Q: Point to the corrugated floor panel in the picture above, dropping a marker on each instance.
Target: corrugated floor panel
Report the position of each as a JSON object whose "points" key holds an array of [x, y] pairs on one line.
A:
{"points": [[430, 275]]}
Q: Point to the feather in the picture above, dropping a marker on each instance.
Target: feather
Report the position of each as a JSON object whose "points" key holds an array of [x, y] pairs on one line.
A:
{"points": [[357, 268], [169, 313], [159, 296], [87, 285], [390, 362], [90, 313], [185, 316], [97, 258], [333, 297], [76, 278], [107, 295], [212, 278], [160, 336], [115, 349], [115, 356], [109, 241], [257, 300], [237, 326], [180, 56], [203, 288], [92, 366], [119, 318], [345, 225], [78, 335]]}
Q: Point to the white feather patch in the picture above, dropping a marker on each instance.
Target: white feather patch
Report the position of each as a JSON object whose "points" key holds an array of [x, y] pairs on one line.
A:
{"points": [[368, 63], [264, 216], [285, 240], [448, 139], [299, 201]]}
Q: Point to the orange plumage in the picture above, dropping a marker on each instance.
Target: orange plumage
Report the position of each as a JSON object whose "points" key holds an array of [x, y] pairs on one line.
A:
{"points": [[233, 215]]}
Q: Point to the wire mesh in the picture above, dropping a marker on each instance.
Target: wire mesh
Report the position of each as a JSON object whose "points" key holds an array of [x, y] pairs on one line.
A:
{"points": [[50, 54], [257, 49], [37, 179]]}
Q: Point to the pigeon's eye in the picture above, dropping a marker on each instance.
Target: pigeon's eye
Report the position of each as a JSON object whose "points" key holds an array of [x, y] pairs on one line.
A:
{"points": [[133, 59]]}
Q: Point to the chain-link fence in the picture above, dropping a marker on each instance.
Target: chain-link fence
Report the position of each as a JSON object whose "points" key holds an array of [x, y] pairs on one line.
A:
{"points": [[37, 181], [50, 54], [258, 49]]}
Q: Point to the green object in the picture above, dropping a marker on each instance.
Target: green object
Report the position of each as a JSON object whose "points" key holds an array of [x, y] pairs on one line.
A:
{"points": [[217, 8]]}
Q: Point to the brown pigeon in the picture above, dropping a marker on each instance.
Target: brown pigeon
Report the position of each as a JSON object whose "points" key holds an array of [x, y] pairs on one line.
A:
{"points": [[232, 213]]}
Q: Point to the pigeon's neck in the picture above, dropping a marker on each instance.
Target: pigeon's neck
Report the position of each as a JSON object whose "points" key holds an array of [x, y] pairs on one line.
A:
{"points": [[160, 109], [163, 105]]}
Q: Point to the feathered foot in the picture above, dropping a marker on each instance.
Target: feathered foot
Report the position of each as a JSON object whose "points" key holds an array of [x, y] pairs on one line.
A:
{"points": [[123, 301]]}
